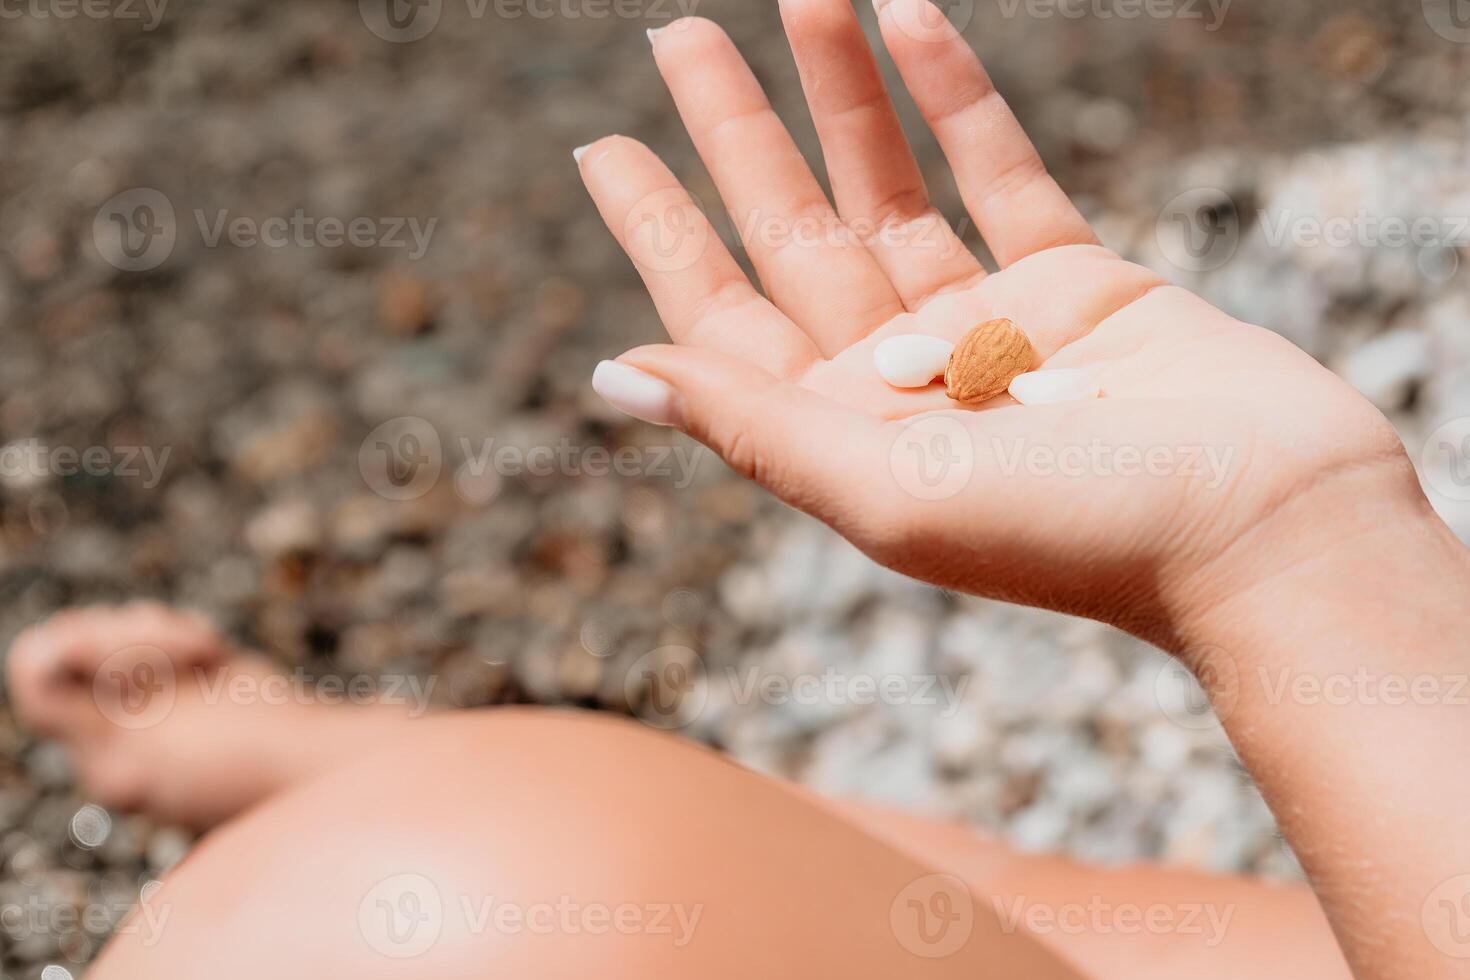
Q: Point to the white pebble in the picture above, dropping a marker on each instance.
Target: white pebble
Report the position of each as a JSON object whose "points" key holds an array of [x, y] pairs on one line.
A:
{"points": [[912, 360], [1058, 385]]}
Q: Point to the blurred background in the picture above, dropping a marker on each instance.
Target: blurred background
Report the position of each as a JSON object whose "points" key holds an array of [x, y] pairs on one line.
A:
{"points": [[299, 303]]}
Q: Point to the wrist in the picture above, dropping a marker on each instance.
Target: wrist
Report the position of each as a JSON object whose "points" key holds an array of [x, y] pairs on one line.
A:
{"points": [[1365, 547]]}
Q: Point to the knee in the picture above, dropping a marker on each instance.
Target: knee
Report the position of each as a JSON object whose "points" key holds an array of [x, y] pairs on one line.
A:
{"points": [[519, 843]]}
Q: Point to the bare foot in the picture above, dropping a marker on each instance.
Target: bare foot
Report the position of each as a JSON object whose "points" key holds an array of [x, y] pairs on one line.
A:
{"points": [[162, 716]]}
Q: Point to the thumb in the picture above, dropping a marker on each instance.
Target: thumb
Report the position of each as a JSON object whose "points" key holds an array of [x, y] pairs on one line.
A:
{"points": [[808, 451]]}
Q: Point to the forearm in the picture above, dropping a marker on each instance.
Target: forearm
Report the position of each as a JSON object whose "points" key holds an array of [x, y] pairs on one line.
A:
{"points": [[1344, 682]]}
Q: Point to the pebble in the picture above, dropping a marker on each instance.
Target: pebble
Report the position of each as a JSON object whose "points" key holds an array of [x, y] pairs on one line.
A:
{"points": [[912, 360], [1055, 385]]}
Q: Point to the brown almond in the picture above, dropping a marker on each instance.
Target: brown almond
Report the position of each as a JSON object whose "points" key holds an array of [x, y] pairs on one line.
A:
{"points": [[987, 360]]}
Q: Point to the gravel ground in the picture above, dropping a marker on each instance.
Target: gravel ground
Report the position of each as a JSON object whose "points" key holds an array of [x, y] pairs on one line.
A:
{"points": [[243, 392]]}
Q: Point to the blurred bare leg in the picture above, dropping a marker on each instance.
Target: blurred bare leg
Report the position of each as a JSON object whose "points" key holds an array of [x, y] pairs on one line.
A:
{"points": [[533, 844], [208, 757], [160, 716], [1138, 921]]}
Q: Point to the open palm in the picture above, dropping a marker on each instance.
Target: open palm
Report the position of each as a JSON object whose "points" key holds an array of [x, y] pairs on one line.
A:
{"points": [[1115, 508]]}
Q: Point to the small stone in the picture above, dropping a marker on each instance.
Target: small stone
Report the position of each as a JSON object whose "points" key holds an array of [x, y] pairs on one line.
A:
{"points": [[912, 360], [1055, 386], [288, 527], [406, 305]]}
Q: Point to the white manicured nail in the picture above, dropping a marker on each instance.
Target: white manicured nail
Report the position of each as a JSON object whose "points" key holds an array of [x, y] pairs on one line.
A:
{"points": [[1057, 385], [654, 32], [580, 152], [912, 360], [634, 393]]}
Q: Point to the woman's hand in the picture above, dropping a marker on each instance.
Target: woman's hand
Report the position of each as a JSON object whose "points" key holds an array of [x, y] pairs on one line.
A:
{"points": [[1227, 497], [1130, 508]]}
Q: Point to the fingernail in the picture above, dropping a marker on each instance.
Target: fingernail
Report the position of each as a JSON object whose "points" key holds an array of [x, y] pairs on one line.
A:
{"points": [[654, 32], [1058, 385], [878, 6], [635, 393], [580, 152]]}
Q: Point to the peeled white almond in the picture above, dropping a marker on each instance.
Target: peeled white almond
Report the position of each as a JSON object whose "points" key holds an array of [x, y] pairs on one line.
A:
{"points": [[1057, 385], [912, 360]]}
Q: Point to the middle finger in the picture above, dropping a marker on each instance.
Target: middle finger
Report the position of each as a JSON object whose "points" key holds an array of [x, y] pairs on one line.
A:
{"points": [[811, 264]]}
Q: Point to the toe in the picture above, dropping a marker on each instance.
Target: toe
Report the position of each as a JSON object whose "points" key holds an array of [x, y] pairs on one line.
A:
{"points": [[188, 637], [48, 691]]}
